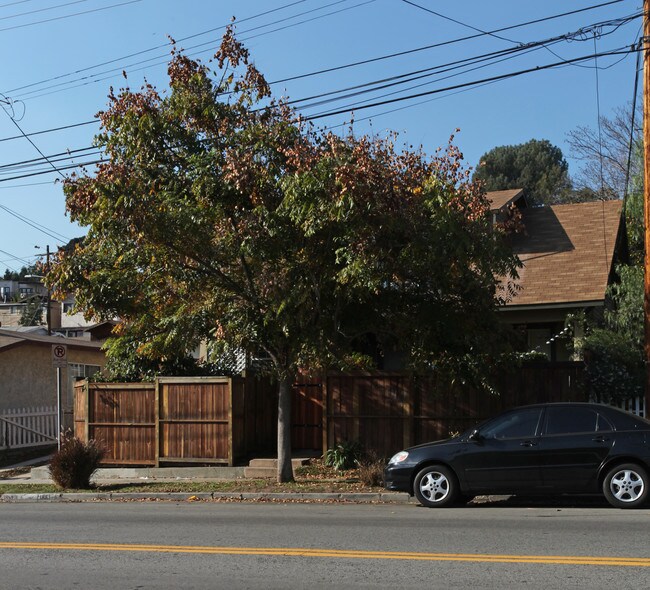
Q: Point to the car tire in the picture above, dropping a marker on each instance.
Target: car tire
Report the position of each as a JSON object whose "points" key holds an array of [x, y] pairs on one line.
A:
{"points": [[626, 486], [436, 486]]}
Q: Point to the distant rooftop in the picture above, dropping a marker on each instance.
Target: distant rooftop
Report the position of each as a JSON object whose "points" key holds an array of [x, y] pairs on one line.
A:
{"points": [[499, 199]]}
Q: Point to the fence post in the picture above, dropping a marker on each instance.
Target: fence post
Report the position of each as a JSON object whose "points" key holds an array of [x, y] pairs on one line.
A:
{"points": [[324, 427], [156, 418], [406, 387]]}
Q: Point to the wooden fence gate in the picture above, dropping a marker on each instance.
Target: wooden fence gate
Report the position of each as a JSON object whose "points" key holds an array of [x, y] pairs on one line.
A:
{"points": [[173, 420]]}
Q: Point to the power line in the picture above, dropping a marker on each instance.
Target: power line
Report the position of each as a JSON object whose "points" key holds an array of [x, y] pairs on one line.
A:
{"points": [[468, 84], [156, 47], [441, 44], [453, 20], [634, 98], [51, 130], [39, 160], [486, 60], [49, 20], [11, 118], [37, 226], [164, 59], [15, 257], [35, 93], [41, 10], [14, 3], [25, 185], [60, 168]]}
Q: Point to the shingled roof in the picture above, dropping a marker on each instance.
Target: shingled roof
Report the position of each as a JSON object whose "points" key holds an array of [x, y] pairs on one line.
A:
{"points": [[499, 199], [10, 339], [567, 252]]}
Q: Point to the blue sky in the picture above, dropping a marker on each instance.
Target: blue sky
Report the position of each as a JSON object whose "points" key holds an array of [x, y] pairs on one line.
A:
{"points": [[52, 77]]}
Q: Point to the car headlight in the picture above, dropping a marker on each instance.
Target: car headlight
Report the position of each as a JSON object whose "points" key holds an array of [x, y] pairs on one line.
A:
{"points": [[399, 457]]}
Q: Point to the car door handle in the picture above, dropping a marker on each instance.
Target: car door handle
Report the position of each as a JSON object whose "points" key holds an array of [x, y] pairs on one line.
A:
{"points": [[600, 439], [528, 443]]}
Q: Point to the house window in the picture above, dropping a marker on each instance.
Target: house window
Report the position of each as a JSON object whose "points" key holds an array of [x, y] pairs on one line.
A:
{"points": [[76, 372], [67, 307], [5, 294], [26, 291]]}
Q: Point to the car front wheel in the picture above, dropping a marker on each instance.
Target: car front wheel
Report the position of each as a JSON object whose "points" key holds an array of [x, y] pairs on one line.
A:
{"points": [[626, 486], [436, 486]]}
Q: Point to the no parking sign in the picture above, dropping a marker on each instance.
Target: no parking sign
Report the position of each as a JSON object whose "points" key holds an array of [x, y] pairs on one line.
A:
{"points": [[59, 355]]}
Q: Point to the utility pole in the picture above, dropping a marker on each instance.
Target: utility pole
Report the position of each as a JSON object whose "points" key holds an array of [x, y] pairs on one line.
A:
{"points": [[646, 196], [48, 311]]}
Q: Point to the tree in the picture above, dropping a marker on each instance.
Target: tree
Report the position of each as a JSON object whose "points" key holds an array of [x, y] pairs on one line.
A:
{"points": [[218, 215], [536, 166], [32, 313], [614, 354], [33, 269], [614, 348], [612, 140]]}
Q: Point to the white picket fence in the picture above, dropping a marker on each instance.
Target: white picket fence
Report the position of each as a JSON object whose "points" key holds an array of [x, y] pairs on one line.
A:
{"points": [[635, 405], [27, 427]]}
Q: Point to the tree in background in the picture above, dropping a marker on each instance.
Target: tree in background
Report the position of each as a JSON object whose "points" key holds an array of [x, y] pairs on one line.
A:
{"points": [[34, 269], [536, 166], [614, 347], [217, 215], [614, 136], [32, 312]]}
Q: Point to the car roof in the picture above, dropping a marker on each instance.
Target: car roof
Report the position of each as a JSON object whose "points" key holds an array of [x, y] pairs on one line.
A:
{"points": [[607, 408]]}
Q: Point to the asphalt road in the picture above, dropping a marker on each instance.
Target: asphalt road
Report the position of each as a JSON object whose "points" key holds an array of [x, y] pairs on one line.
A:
{"points": [[233, 545]]}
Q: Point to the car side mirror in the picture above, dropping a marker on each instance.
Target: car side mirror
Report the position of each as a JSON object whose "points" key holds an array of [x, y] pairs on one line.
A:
{"points": [[475, 435]]}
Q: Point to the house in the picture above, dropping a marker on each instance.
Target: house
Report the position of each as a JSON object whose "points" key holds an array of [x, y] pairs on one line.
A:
{"points": [[568, 254], [15, 297], [27, 375]]}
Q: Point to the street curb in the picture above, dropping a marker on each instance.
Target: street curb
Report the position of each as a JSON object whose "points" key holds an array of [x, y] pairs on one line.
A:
{"points": [[355, 498]]}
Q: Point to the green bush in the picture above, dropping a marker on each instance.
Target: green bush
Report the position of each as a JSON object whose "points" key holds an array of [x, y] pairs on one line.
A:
{"points": [[74, 463], [343, 456], [615, 368]]}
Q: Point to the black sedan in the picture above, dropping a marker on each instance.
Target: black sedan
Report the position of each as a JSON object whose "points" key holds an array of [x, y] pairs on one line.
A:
{"points": [[567, 448]]}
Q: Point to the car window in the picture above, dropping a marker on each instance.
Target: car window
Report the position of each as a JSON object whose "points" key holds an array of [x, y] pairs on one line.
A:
{"points": [[604, 425], [567, 420], [518, 424]]}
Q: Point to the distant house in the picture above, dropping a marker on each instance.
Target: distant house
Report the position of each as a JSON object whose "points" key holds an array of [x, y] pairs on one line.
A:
{"points": [[568, 254], [15, 297], [27, 376]]}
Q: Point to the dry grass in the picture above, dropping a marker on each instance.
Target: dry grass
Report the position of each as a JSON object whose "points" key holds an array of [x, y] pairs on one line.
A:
{"points": [[314, 478]]}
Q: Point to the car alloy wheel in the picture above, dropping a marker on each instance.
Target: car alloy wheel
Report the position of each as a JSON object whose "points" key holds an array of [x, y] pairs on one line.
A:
{"points": [[436, 486], [626, 486]]}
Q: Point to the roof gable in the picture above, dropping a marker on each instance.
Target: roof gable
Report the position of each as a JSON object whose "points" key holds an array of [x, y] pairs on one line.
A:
{"points": [[500, 199], [567, 252]]}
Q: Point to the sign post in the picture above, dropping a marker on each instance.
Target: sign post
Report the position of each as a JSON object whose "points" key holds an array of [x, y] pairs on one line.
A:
{"points": [[59, 360]]}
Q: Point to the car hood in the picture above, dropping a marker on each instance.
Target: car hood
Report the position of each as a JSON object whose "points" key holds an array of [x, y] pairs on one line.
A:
{"points": [[437, 443]]}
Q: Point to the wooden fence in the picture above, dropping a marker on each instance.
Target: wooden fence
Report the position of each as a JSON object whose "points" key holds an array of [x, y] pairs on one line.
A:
{"points": [[28, 427], [173, 420], [388, 412], [222, 420]]}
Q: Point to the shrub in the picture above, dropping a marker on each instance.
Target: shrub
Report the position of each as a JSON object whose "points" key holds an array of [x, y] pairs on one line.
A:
{"points": [[74, 463], [343, 456], [371, 469]]}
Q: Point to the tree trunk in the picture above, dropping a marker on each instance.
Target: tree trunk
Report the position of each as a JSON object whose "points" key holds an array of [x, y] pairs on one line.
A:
{"points": [[285, 470]]}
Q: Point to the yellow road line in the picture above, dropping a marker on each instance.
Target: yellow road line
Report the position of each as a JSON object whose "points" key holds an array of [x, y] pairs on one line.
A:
{"points": [[340, 553]]}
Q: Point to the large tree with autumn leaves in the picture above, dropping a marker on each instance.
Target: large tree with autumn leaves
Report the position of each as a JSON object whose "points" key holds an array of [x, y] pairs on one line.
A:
{"points": [[218, 215]]}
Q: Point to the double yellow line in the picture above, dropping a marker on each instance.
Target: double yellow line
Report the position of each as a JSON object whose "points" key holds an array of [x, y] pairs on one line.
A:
{"points": [[339, 553]]}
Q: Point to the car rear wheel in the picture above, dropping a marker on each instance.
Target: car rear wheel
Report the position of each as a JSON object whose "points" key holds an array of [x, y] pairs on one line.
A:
{"points": [[626, 486], [436, 486]]}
